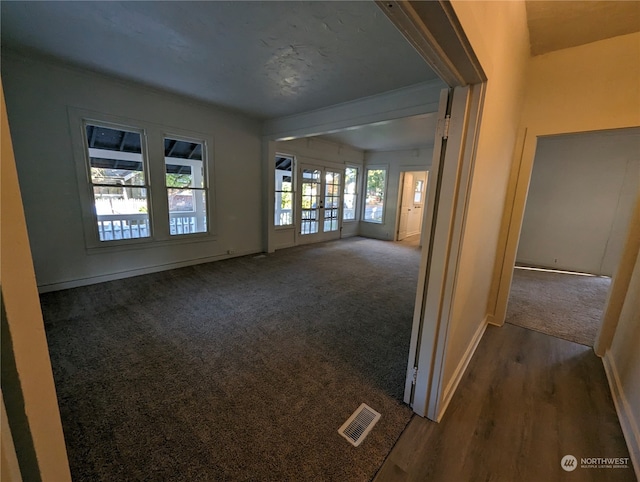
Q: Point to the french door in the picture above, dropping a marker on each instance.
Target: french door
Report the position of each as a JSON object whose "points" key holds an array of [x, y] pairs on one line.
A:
{"points": [[320, 208]]}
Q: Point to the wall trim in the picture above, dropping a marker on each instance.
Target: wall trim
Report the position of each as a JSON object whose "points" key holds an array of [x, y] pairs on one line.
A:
{"points": [[491, 320], [461, 369], [625, 415], [63, 285]]}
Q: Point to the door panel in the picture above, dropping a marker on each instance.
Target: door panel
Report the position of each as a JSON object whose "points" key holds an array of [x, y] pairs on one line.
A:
{"points": [[310, 189], [412, 204], [414, 222], [406, 205], [320, 203]]}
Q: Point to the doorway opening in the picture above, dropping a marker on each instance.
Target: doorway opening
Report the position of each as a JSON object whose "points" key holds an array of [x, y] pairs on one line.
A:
{"points": [[579, 204], [411, 203], [320, 205]]}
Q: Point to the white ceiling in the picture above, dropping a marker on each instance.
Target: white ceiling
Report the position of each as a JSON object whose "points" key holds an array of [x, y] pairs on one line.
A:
{"points": [[266, 59], [407, 133]]}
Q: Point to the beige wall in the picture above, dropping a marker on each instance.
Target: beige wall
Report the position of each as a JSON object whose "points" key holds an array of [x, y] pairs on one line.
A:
{"points": [[498, 34], [622, 360], [586, 88], [591, 87], [26, 329]]}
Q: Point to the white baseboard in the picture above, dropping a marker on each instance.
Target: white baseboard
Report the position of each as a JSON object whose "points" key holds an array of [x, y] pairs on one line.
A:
{"points": [[491, 320], [63, 285], [625, 414], [461, 368]]}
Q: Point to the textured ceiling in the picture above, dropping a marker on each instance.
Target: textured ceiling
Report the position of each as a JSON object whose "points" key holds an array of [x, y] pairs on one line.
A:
{"points": [[267, 59], [555, 25], [408, 133]]}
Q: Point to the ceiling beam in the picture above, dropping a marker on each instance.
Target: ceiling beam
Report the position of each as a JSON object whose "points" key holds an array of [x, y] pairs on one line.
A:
{"points": [[405, 102]]}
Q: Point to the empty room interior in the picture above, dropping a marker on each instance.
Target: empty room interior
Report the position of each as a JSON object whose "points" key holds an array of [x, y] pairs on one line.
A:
{"points": [[342, 241]]}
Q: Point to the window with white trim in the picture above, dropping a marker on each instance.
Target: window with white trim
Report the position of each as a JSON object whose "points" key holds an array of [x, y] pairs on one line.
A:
{"points": [[185, 179], [118, 174], [376, 186], [350, 193], [129, 191], [283, 209]]}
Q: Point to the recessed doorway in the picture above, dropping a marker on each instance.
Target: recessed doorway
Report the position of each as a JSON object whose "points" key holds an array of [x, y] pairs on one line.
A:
{"points": [[411, 202]]}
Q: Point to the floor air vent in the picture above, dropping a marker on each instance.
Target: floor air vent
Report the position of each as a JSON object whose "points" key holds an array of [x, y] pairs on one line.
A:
{"points": [[358, 425]]}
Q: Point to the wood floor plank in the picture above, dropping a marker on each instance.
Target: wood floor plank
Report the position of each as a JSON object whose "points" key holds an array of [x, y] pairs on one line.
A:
{"points": [[526, 400]]}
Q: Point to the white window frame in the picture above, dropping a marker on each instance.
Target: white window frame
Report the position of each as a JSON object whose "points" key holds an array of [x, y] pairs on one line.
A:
{"points": [[356, 210], [205, 178], [293, 193], [365, 177], [152, 142]]}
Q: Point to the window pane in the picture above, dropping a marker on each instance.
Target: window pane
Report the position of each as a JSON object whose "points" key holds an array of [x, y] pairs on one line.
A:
{"points": [[331, 201], [115, 156], [310, 201], [350, 195], [187, 211], [283, 212], [417, 195], [374, 205], [311, 174], [183, 164], [122, 212], [186, 186]]}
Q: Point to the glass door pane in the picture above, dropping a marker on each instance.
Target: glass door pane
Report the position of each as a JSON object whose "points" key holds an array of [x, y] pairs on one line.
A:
{"points": [[310, 201], [331, 201]]}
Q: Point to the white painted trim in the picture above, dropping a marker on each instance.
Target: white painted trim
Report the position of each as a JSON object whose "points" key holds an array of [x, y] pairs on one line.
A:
{"points": [[415, 344], [627, 420], [408, 101], [462, 367], [46, 288]]}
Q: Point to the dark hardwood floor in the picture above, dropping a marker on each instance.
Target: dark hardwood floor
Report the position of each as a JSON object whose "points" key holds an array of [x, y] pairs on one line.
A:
{"points": [[526, 400]]}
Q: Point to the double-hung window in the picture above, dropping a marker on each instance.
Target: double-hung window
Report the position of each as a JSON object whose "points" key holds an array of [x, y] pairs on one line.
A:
{"points": [[376, 187], [134, 193], [283, 209], [350, 193], [119, 179], [185, 179]]}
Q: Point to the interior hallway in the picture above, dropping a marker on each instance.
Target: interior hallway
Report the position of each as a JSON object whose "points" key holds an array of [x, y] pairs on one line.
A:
{"points": [[526, 400]]}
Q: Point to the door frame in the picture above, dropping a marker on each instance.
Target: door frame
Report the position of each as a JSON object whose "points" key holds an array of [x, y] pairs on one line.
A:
{"points": [[403, 173], [321, 235], [434, 30]]}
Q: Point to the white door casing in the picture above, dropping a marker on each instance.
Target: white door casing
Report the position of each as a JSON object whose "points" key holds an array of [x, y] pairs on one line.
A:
{"points": [[444, 224], [319, 203]]}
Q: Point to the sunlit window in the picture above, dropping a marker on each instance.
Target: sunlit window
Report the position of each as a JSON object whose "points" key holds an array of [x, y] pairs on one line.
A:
{"points": [[350, 193], [375, 195], [118, 172], [185, 179]]}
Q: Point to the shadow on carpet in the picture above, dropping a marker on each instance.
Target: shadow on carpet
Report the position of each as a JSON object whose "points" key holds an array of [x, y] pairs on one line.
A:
{"points": [[241, 369], [563, 305]]}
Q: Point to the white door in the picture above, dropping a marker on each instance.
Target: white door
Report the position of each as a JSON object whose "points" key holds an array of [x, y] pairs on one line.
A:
{"points": [[406, 201], [319, 212], [412, 204], [426, 389]]}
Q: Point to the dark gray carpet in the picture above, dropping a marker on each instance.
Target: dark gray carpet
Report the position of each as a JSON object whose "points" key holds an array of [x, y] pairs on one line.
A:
{"points": [[566, 306], [236, 370]]}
